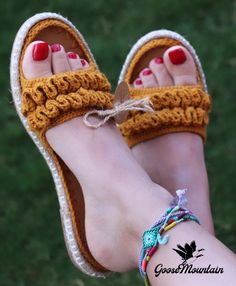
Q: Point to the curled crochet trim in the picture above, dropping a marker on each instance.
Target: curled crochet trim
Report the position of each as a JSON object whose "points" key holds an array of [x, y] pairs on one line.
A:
{"points": [[37, 91], [45, 114], [44, 100], [189, 117], [182, 96]]}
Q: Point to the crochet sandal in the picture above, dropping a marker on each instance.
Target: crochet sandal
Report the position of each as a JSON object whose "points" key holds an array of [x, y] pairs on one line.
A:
{"points": [[177, 108], [45, 102]]}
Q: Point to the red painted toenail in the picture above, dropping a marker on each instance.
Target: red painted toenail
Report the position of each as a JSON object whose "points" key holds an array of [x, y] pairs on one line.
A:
{"points": [[138, 81], [72, 55], [40, 51], [147, 72], [83, 62], [177, 56], [55, 48], [159, 60]]}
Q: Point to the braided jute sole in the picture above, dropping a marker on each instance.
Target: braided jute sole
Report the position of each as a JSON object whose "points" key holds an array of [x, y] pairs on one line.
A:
{"points": [[67, 223]]}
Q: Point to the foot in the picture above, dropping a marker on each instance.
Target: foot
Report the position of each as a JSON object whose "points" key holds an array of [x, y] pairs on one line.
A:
{"points": [[115, 200], [176, 160]]}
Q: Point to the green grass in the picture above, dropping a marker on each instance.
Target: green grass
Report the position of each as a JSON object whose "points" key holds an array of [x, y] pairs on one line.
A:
{"points": [[32, 250]]}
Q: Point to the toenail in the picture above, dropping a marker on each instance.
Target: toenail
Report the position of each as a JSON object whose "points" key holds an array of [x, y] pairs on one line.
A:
{"points": [[138, 81], [40, 51], [83, 62], [55, 48], [72, 55], [147, 72], [177, 56], [158, 60]]}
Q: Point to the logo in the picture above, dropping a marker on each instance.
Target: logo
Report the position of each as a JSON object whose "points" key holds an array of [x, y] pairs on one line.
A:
{"points": [[188, 253]]}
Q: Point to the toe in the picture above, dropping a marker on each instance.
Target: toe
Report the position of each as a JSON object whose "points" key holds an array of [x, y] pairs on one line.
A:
{"points": [[160, 72], [60, 61], [37, 60], [180, 65], [148, 78], [138, 83], [74, 61], [84, 63]]}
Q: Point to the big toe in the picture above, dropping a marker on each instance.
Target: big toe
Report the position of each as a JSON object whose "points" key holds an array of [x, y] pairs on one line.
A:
{"points": [[37, 60], [180, 65]]}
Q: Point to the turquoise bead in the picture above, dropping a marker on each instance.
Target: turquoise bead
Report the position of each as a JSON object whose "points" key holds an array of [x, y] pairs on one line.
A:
{"points": [[149, 238]]}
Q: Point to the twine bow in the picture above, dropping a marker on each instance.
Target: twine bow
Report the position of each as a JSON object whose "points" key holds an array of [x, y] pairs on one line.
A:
{"points": [[143, 104], [122, 105]]}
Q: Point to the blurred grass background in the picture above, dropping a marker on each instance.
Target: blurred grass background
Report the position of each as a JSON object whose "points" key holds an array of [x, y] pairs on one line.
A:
{"points": [[32, 250]]}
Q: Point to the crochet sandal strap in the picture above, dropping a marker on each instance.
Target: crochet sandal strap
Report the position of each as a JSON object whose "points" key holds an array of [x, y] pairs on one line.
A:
{"points": [[177, 108], [52, 100]]}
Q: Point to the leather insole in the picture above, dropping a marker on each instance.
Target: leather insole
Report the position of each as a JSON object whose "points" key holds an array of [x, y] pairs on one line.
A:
{"points": [[57, 35]]}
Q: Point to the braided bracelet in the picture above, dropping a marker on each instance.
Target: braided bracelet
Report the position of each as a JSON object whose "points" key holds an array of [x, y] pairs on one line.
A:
{"points": [[152, 237]]}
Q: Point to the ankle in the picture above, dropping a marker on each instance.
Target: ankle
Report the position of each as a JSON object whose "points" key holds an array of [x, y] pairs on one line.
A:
{"points": [[147, 207]]}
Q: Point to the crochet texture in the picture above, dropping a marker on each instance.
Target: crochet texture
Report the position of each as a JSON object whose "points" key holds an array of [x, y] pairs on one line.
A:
{"points": [[182, 108], [177, 108], [46, 101]]}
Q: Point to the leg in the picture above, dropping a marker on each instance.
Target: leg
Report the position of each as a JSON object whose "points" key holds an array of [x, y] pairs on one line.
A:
{"points": [[117, 215], [112, 209], [176, 160]]}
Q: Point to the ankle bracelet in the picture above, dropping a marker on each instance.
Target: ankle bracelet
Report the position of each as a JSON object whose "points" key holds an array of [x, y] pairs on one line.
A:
{"points": [[154, 236]]}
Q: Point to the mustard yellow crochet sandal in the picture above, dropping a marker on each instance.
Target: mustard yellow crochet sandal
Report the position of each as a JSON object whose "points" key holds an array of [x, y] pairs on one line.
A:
{"points": [[45, 102], [177, 108]]}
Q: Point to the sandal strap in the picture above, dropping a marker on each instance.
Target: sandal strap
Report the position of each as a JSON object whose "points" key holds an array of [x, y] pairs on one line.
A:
{"points": [[46, 100], [174, 96], [177, 109]]}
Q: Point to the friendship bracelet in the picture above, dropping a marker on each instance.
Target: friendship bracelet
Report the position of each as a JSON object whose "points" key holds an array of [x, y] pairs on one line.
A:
{"points": [[153, 237]]}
